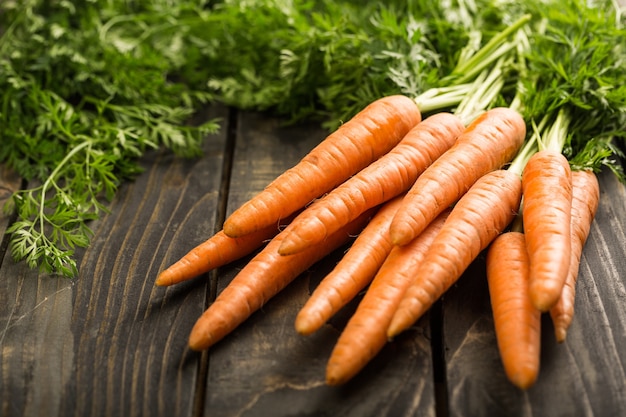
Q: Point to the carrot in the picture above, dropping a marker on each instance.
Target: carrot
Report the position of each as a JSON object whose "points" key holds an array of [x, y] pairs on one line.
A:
{"points": [[214, 252], [585, 199], [357, 143], [547, 188], [477, 218], [485, 145], [389, 176], [516, 320], [264, 276], [366, 332], [352, 273]]}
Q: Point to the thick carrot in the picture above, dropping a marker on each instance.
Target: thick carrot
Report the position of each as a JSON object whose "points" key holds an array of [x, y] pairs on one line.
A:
{"points": [[357, 143], [547, 188], [389, 176], [352, 273], [216, 251], [264, 276], [366, 332], [585, 199], [517, 322], [486, 144], [477, 218]]}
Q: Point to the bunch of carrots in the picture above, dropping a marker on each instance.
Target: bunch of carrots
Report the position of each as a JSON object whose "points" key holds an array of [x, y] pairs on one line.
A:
{"points": [[425, 188]]}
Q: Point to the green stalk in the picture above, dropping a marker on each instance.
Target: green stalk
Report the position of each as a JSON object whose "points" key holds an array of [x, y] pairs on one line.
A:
{"points": [[50, 180], [483, 93], [478, 78], [556, 135], [493, 50], [439, 98]]}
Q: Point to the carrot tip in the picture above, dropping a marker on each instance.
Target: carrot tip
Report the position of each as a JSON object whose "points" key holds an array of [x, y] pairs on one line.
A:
{"points": [[304, 327], [197, 342], [543, 301], [333, 381], [337, 374], [286, 250], [560, 334], [160, 282], [399, 240], [523, 377], [395, 328], [524, 384]]}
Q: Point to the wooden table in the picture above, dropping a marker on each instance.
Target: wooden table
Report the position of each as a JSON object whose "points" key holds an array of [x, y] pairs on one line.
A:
{"points": [[110, 343]]}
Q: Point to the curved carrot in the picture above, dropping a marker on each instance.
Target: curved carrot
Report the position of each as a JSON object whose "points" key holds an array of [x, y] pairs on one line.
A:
{"points": [[259, 280], [585, 200], [389, 176], [517, 322], [366, 332], [477, 218], [357, 143], [487, 144], [351, 274], [547, 188], [216, 251]]}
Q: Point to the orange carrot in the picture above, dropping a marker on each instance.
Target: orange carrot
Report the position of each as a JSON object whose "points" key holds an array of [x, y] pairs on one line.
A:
{"points": [[477, 218], [360, 141], [547, 188], [352, 273], [585, 199], [214, 252], [516, 320], [487, 144], [259, 280], [389, 176], [366, 332]]}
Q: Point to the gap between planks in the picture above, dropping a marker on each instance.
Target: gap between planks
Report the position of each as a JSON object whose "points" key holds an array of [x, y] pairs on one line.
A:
{"points": [[438, 357], [211, 292]]}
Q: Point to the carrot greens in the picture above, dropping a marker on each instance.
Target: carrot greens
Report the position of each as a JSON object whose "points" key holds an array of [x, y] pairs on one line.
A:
{"points": [[575, 78], [87, 88]]}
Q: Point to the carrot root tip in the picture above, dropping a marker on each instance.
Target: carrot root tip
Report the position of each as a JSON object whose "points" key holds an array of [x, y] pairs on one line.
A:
{"points": [[560, 334], [198, 341]]}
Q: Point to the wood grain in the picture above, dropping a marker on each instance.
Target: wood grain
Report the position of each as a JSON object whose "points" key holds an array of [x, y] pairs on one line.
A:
{"points": [[109, 342]]}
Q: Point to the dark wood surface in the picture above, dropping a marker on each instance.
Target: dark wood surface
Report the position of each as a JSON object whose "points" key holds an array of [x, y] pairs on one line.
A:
{"points": [[110, 343]]}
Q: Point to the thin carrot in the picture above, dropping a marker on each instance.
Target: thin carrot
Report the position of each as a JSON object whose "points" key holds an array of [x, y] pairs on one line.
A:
{"points": [[366, 332], [516, 320], [486, 144], [585, 199], [214, 252], [547, 188], [259, 280], [389, 176], [476, 219], [357, 143], [352, 273]]}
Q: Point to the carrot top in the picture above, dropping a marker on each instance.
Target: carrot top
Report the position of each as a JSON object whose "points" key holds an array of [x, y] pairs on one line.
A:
{"points": [[573, 81]]}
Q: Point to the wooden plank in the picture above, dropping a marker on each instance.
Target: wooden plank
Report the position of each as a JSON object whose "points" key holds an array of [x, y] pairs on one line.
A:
{"points": [[109, 342], [585, 375], [9, 183], [265, 368]]}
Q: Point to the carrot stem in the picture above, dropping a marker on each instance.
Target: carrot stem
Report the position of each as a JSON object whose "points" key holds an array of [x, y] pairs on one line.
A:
{"points": [[493, 50]]}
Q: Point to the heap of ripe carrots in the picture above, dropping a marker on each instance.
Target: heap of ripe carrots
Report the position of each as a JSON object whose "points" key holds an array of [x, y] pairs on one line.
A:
{"points": [[426, 194]]}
